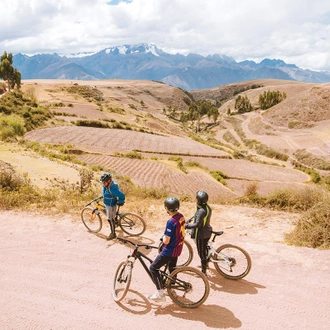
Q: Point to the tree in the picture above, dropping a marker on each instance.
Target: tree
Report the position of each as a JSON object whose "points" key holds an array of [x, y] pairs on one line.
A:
{"points": [[8, 73], [243, 104], [197, 110], [270, 98]]}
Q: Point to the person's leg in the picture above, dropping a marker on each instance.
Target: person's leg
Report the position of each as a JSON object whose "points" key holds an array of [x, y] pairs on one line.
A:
{"points": [[202, 252], [111, 213], [154, 269], [172, 264]]}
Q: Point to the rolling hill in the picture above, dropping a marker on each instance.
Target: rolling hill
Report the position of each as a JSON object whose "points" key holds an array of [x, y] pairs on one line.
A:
{"points": [[133, 114]]}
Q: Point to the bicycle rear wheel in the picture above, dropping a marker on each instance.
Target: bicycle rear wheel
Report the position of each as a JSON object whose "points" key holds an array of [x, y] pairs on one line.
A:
{"points": [[91, 219], [122, 281], [188, 287], [132, 224], [231, 261], [186, 255]]}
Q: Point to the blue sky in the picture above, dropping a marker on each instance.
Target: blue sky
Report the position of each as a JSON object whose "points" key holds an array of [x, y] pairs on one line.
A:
{"points": [[296, 31]]}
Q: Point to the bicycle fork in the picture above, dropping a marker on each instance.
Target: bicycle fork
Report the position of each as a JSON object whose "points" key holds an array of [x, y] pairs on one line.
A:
{"points": [[124, 273]]}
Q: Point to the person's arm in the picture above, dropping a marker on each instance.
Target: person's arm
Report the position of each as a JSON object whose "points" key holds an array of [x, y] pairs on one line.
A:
{"points": [[168, 233], [199, 220], [118, 193], [166, 239]]}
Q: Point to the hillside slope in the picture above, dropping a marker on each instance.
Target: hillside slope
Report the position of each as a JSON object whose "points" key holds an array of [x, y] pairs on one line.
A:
{"points": [[137, 108]]}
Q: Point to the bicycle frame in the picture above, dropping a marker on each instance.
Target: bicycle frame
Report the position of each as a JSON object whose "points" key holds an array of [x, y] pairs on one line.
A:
{"points": [[100, 207], [221, 258], [212, 250], [138, 255]]}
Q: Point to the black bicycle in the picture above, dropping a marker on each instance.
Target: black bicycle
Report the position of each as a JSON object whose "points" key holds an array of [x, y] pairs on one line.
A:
{"points": [[186, 286], [130, 223]]}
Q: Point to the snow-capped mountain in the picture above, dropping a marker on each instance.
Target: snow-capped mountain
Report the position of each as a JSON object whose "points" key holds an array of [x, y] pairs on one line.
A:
{"points": [[147, 62]]}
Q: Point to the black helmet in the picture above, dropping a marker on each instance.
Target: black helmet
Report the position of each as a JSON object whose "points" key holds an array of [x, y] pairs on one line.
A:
{"points": [[172, 204], [202, 197], [105, 177]]}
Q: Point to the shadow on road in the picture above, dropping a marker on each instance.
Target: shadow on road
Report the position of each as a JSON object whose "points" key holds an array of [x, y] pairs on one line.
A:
{"points": [[212, 316], [242, 286]]}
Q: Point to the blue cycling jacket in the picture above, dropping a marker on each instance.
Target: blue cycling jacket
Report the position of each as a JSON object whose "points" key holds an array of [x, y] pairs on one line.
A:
{"points": [[112, 195]]}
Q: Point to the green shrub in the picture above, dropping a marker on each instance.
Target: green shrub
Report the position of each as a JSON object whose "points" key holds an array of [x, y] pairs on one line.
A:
{"points": [[312, 229], [90, 123], [294, 200], [179, 162], [315, 176], [243, 104], [16, 103], [219, 176], [11, 126], [193, 164], [270, 98], [87, 92], [270, 153]]}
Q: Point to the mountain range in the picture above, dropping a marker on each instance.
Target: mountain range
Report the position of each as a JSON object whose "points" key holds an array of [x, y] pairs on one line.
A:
{"points": [[147, 62]]}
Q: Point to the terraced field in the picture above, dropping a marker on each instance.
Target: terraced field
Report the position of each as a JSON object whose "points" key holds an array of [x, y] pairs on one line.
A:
{"points": [[160, 174], [111, 140], [157, 137]]}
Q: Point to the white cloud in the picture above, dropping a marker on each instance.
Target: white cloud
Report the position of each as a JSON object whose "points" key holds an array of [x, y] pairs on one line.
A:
{"points": [[296, 31]]}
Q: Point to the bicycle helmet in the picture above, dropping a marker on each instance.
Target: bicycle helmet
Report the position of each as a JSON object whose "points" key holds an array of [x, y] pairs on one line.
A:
{"points": [[202, 197], [172, 204], [105, 177]]}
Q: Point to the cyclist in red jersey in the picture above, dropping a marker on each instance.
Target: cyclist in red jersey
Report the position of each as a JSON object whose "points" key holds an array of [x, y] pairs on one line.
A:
{"points": [[172, 238]]}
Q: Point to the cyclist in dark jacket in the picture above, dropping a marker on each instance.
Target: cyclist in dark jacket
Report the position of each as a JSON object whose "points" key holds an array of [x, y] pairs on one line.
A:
{"points": [[112, 196], [201, 228]]}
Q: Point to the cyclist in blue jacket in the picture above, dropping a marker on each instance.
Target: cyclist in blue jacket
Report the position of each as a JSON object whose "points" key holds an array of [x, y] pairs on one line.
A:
{"points": [[112, 196]]}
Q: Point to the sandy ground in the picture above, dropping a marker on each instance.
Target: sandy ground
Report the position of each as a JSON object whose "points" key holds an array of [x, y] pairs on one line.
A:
{"points": [[56, 275]]}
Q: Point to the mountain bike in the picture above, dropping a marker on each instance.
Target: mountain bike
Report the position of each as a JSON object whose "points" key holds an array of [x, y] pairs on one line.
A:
{"points": [[186, 286], [130, 223], [229, 260]]}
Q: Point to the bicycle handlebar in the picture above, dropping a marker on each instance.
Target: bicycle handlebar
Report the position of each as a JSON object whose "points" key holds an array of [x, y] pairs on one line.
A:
{"points": [[147, 246], [94, 200]]}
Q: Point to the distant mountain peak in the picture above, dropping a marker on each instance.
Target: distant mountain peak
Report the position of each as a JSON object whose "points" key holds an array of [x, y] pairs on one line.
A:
{"points": [[143, 48], [275, 63]]}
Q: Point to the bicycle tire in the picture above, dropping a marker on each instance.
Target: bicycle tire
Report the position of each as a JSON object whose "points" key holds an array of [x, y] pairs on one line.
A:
{"points": [[186, 255], [91, 219], [240, 261], [122, 281], [132, 224], [188, 287]]}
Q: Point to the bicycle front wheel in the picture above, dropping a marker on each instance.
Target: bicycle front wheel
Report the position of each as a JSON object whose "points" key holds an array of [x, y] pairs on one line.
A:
{"points": [[91, 219], [132, 224], [232, 262], [122, 281], [186, 255], [188, 287]]}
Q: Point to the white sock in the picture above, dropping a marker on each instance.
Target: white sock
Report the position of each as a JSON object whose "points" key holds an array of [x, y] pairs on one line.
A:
{"points": [[161, 292]]}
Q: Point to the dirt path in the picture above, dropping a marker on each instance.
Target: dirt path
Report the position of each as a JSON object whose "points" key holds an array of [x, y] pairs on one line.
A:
{"points": [[56, 275]]}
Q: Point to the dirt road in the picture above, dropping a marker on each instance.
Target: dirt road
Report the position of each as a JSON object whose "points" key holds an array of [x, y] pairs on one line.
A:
{"points": [[56, 275]]}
